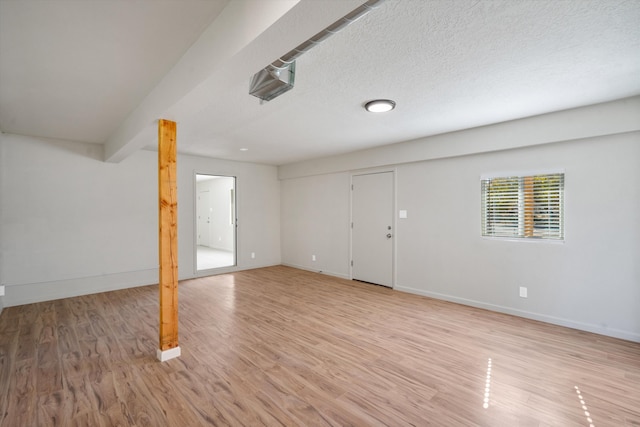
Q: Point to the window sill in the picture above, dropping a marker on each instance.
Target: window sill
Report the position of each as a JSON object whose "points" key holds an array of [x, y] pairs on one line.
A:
{"points": [[525, 240]]}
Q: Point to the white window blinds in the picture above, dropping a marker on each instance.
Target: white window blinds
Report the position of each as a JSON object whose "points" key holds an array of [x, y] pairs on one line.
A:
{"points": [[523, 206]]}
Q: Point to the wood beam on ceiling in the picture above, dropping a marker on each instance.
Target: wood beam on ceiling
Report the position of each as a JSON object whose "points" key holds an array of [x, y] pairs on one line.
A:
{"points": [[168, 240]]}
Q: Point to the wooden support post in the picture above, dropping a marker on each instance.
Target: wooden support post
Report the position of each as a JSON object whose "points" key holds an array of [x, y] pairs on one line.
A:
{"points": [[168, 240]]}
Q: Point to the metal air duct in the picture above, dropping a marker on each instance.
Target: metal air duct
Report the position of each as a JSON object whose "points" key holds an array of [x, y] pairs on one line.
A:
{"points": [[278, 77]]}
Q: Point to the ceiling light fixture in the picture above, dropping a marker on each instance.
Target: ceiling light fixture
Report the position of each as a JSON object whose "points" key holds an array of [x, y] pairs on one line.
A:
{"points": [[380, 105]]}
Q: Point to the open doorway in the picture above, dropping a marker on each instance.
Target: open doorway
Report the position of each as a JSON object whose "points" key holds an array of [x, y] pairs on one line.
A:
{"points": [[215, 221]]}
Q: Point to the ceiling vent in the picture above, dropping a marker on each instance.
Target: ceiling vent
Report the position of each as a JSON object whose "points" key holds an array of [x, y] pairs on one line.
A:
{"points": [[270, 82], [278, 77]]}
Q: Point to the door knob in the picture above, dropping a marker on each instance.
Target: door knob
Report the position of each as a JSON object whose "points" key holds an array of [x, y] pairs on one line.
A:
{"points": [[389, 236]]}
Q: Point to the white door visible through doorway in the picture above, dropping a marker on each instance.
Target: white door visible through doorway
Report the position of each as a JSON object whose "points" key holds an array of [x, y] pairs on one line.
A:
{"points": [[215, 222], [204, 218], [372, 228]]}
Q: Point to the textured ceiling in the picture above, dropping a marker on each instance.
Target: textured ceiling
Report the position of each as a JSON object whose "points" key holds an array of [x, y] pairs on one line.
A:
{"points": [[449, 65]]}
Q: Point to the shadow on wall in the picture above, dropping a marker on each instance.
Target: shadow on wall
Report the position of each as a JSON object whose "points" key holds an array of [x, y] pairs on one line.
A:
{"points": [[83, 149]]}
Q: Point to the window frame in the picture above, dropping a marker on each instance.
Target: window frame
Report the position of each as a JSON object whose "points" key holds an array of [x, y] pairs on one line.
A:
{"points": [[525, 216]]}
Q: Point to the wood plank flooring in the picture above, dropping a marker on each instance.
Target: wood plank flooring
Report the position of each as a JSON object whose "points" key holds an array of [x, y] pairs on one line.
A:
{"points": [[280, 346]]}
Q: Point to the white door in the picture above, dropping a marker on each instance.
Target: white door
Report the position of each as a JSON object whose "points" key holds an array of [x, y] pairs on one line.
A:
{"points": [[372, 233], [204, 218]]}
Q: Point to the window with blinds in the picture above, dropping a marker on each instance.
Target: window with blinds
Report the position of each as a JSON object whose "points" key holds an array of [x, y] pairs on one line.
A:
{"points": [[523, 206]]}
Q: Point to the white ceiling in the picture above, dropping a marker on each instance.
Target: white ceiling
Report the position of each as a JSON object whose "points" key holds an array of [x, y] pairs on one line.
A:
{"points": [[75, 69], [104, 71]]}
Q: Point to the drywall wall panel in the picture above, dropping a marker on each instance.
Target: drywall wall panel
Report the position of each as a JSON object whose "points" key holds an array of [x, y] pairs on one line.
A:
{"points": [[2, 171], [73, 224], [315, 223], [589, 281], [257, 210], [620, 116], [68, 216]]}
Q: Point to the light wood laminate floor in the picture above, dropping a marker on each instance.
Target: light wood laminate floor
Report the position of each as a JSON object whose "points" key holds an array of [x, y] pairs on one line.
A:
{"points": [[280, 346]]}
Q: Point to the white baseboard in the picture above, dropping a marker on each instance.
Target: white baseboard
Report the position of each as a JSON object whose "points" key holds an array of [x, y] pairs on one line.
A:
{"points": [[329, 273], [615, 333], [165, 355], [28, 293], [225, 270]]}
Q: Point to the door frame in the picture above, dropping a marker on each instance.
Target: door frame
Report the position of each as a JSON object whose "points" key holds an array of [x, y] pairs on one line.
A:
{"points": [[194, 249], [394, 219]]}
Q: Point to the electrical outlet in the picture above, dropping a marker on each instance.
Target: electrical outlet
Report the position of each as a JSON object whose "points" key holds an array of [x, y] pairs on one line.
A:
{"points": [[523, 292], [1, 290], [253, 255], [313, 257]]}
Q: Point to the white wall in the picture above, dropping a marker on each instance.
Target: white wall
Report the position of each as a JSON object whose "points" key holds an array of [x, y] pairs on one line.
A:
{"points": [[315, 221], [257, 210], [608, 118], [589, 282], [73, 224], [2, 171]]}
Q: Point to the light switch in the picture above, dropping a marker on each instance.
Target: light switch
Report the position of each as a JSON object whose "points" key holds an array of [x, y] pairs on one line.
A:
{"points": [[403, 214]]}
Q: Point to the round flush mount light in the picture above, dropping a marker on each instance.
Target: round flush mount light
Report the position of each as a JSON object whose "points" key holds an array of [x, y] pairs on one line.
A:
{"points": [[380, 105]]}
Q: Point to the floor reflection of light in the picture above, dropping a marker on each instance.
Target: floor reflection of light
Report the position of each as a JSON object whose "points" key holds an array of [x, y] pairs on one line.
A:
{"points": [[487, 386], [230, 300], [584, 407]]}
